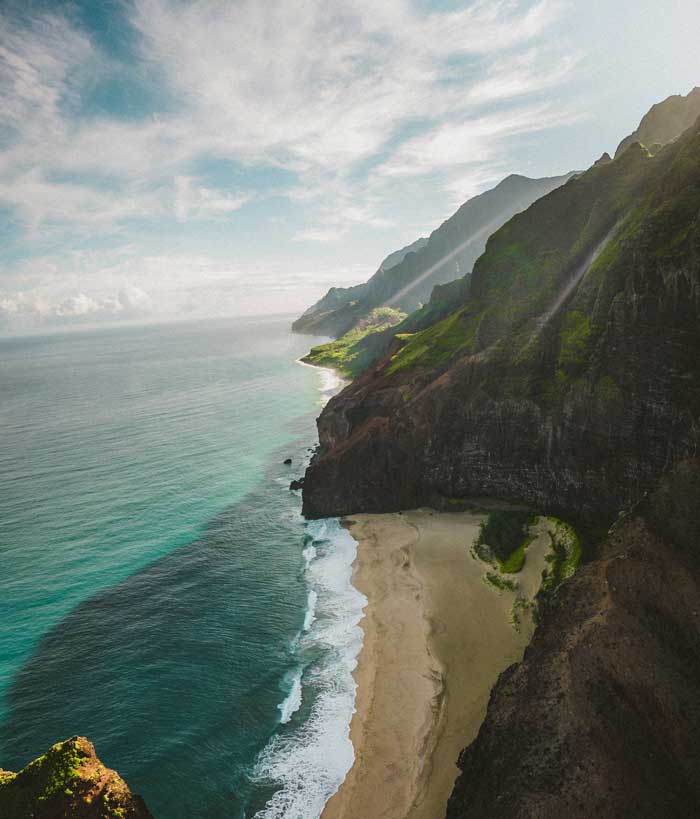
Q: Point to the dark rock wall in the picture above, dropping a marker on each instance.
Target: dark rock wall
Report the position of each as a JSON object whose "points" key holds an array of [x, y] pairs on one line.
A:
{"points": [[602, 717], [513, 419]]}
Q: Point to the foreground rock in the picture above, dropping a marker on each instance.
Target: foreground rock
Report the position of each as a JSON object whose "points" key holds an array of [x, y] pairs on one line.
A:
{"points": [[68, 781], [602, 717]]}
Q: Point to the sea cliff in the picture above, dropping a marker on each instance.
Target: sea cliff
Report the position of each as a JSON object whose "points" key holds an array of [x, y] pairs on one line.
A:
{"points": [[68, 781], [566, 375], [569, 378]]}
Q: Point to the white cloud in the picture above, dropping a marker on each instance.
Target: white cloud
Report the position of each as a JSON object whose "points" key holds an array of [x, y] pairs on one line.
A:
{"points": [[194, 201], [354, 100], [470, 141], [522, 74], [305, 86], [37, 201]]}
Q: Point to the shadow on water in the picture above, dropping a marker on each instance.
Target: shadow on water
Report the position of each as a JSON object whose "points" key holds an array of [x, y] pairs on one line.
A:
{"points": [[175, 673]]}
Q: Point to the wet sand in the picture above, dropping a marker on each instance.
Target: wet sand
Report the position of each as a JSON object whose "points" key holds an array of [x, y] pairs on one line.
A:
{"points": [[436, 638]]}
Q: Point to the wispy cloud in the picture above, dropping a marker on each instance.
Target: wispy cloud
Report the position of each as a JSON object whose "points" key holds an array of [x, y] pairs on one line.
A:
{"points": [[350, 100], [194, 201], [470, 141]]}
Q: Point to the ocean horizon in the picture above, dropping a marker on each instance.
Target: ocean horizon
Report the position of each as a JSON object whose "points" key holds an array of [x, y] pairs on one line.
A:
{"points": [[164, 595]]}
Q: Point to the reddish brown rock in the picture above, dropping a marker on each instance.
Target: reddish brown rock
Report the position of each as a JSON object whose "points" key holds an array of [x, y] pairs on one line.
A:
{"points": [[68, 781]]}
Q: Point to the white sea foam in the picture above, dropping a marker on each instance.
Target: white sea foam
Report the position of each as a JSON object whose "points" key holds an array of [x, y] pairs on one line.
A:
{"points": [[309, 554], [292, 703], [309, 759], [310, 610]]}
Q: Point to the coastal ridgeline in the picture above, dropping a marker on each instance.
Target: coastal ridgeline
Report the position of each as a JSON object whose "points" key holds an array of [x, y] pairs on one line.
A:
{"points": [[568, 376], [563, 375], [68, 781], [405, 279], [354, 351], [664, 121]]}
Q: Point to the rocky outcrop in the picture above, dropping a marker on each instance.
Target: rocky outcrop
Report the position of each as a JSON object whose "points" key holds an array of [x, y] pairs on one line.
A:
{"points": [[602, 717], [68, 781], [406, 280], [327, 316], [568, 379], [665, 121]]}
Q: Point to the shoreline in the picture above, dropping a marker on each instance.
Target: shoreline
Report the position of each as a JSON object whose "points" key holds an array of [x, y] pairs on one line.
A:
{"points": [[436, 637]]}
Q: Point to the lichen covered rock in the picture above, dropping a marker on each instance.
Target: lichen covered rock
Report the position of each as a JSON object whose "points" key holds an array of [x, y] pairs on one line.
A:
{"points": [[68, 781]]}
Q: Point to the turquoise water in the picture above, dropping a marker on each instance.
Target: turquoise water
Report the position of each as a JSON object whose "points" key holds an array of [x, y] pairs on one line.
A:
{"points": [[161, 593]]}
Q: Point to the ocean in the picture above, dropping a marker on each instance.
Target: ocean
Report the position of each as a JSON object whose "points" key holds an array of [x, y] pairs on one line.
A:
{"points": [[160, 592]]}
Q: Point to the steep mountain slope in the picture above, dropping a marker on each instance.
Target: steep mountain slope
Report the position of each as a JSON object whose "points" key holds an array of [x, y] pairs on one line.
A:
{"points": [[447, 254], [569, 378], [350, 354], [602, 717], [68, 781], [665, 121], [334, 314]]}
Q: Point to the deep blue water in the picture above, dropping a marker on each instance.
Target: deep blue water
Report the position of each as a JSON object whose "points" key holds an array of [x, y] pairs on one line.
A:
{"points": [[159, 591]]}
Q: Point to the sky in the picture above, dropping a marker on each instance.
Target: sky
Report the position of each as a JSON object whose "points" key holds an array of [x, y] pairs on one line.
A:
{"points": [[166, 159]]}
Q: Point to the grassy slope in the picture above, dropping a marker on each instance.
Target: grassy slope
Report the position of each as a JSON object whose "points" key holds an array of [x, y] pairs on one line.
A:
{"points": [[653, 204], [346, 354], [528, 259]]}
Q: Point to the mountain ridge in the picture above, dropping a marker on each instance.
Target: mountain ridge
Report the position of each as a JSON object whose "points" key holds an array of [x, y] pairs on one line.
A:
{"points": [[664, 121], [446, 254], [563, 374]]}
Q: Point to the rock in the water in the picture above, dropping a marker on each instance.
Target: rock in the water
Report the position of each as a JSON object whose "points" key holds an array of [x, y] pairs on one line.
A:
{"points": [[297, 484], [68, 781], [287, 461]]}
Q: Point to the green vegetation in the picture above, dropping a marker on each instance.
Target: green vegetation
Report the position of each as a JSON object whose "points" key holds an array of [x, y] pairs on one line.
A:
{"points": [[500, 583], [514, 563], [347, 354], [63, 782], [520, 606], [525, 267], [574, 335], [563, 558], [436, 344], [505, 532]]}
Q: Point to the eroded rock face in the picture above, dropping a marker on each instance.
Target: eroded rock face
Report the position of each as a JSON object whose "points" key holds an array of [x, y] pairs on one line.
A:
{"points": [[68, 781], [569, 398], [602, 717]]}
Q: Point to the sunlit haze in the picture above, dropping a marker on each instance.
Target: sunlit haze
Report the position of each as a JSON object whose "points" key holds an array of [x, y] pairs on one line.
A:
{"points": [[161, 159]]}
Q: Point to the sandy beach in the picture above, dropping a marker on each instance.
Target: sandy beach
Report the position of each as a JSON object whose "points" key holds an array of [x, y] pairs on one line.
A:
{"points": [[436, 638]]}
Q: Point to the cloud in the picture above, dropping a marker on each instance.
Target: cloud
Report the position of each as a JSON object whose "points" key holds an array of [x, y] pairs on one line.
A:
{"points": [[315, 84], [470, 141], [194, 201], [349, 102], [37, 201], [27, 312]]}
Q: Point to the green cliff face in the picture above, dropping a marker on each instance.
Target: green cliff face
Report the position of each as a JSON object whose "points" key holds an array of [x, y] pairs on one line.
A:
{"points": [[405, 280], [568, 376], [565, 375], [68, 781], [353, 352], [342, 307]]}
